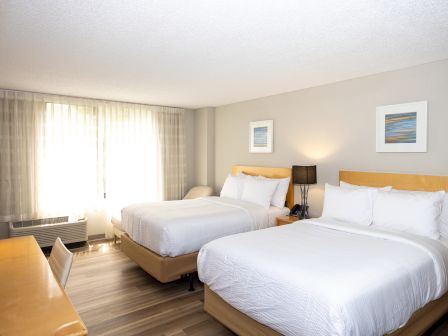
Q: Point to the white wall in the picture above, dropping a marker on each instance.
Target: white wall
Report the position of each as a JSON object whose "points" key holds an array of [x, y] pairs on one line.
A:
{"points": [[333, 126]]}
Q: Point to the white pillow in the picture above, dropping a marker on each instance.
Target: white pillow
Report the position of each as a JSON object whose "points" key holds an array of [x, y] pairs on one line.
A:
{"points": [[259, 191], [444, 218], [346, 185], [415, 212], [349, 205], [279, 197], [233, 187]]}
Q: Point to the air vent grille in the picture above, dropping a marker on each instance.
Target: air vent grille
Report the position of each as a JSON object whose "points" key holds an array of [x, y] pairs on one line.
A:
{"points": [[46, 230]]}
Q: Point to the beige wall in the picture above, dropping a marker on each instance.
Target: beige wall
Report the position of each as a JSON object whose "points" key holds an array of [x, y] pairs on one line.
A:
{"points": [[190, 131], [333, 126]]}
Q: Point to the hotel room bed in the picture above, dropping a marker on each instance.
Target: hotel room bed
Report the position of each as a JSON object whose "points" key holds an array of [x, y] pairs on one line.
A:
{"points": [[327, 277], [164, 238], [180, 227]]}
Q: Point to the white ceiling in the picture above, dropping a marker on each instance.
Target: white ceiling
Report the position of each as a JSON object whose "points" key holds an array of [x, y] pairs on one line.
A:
{"points": [[210, 52]]}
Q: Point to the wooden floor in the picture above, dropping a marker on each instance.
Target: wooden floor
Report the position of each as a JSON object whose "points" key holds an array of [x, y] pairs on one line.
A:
{"points": [[115, 297]]}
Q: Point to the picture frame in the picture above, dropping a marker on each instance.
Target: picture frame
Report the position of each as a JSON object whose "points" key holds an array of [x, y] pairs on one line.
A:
{"points": [[261, 136], [402, 128]]}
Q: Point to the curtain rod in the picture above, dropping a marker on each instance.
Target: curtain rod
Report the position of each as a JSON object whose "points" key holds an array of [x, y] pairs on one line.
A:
{"points": [[96, 99]]}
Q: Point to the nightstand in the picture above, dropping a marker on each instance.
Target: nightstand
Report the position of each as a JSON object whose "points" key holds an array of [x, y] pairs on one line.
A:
{"points": [[282, 220]]}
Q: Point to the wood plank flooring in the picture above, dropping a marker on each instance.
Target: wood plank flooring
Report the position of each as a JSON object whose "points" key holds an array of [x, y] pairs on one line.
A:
{"points": [[115, 297]]}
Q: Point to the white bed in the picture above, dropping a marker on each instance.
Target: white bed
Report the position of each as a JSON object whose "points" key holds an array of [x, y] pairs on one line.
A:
{"points": [[326, 277], [180, 227], [164, 238]]}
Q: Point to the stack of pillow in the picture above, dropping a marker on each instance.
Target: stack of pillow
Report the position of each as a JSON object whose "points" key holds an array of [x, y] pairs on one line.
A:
{"points": [[416, 212], [256, 189]]}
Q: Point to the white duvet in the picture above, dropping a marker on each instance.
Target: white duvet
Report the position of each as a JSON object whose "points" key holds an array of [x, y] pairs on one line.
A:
{"points": [[174, 228], [319, 277]]}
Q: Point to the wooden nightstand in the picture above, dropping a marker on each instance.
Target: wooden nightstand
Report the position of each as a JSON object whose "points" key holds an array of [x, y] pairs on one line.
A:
{"points": [[282, 220]]}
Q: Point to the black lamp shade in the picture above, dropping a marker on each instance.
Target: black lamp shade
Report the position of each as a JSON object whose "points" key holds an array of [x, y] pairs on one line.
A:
{"points": [[304, 175]]}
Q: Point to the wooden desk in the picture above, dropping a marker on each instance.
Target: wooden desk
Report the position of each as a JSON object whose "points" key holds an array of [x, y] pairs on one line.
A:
{"points": [[32, 301]]}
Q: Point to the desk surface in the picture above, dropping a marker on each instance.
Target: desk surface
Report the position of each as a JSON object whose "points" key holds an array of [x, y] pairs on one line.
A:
{"points": [[31, 300]]}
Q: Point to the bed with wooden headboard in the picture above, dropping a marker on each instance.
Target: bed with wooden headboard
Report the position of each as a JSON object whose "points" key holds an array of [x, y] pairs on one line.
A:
{"points": [[395, 180], [166, 269], [420, 321], [271, 172]]}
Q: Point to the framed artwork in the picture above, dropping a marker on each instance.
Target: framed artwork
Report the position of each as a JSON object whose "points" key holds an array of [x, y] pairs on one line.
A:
{"points": [[261, 136], [402, 127]]}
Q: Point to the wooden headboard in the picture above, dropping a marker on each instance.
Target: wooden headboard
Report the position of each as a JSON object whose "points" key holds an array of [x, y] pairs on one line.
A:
{"points": [[397, 181], [270, 172]]}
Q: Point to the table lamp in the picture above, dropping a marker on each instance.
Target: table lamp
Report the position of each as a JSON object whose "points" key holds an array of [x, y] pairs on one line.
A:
{"points": [[304, 176]]}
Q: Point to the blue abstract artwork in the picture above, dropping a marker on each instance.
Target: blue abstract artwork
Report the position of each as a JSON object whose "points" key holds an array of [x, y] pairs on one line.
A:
{"points": [[401, 128], [260, 136]]}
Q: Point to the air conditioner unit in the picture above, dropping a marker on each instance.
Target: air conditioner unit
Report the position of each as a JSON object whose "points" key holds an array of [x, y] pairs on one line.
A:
{"points": [[46, 230]]}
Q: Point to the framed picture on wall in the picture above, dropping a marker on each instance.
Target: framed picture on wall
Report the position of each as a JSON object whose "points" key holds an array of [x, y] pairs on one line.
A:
{"points": [[402, 127], [261, 136]]}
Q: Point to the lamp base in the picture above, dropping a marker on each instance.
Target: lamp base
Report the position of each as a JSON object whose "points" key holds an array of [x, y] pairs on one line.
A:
{"points": [[304, 213], [304, 198]]}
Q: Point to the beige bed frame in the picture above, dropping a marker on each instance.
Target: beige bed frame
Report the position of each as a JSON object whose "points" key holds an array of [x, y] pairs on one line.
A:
{"points": [[166, 269], [420, 321]]}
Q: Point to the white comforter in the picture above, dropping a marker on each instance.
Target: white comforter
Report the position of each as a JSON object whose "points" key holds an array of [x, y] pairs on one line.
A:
{"points": [[173, 228], [319, 277]]}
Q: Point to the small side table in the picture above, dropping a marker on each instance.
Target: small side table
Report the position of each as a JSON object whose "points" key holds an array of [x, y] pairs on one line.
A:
{"points": [[282, 220]]}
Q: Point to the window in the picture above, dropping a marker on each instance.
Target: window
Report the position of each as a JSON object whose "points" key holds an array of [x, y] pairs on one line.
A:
{"points": [[74, 155]]}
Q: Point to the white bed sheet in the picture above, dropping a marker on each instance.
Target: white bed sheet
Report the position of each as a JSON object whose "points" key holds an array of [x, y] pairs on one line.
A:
{"points": [[320, 277], [274, 212], [174, 228], [444, 242]]}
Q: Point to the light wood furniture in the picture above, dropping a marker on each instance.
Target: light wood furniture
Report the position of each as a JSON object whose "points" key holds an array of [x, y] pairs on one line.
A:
{"points": [[397, 181], [116, 226], [33, 301], [282, 220], [60, 261], [117, 234], [420, 321], [166, 269]]}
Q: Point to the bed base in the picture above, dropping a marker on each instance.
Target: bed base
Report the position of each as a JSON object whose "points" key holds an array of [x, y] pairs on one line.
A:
{"points": [[164, 269], [238, 322], [167, 269], [243, 325]]}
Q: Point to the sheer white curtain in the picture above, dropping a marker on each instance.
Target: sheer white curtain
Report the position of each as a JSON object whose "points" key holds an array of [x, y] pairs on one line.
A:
{"points": [[170, 129], [18, 113], [132, 167], [67, 159], [68, 156]]}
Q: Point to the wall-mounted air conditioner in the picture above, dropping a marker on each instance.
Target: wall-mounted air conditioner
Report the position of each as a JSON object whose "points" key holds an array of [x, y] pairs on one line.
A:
{"points": [[46, 230]]}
